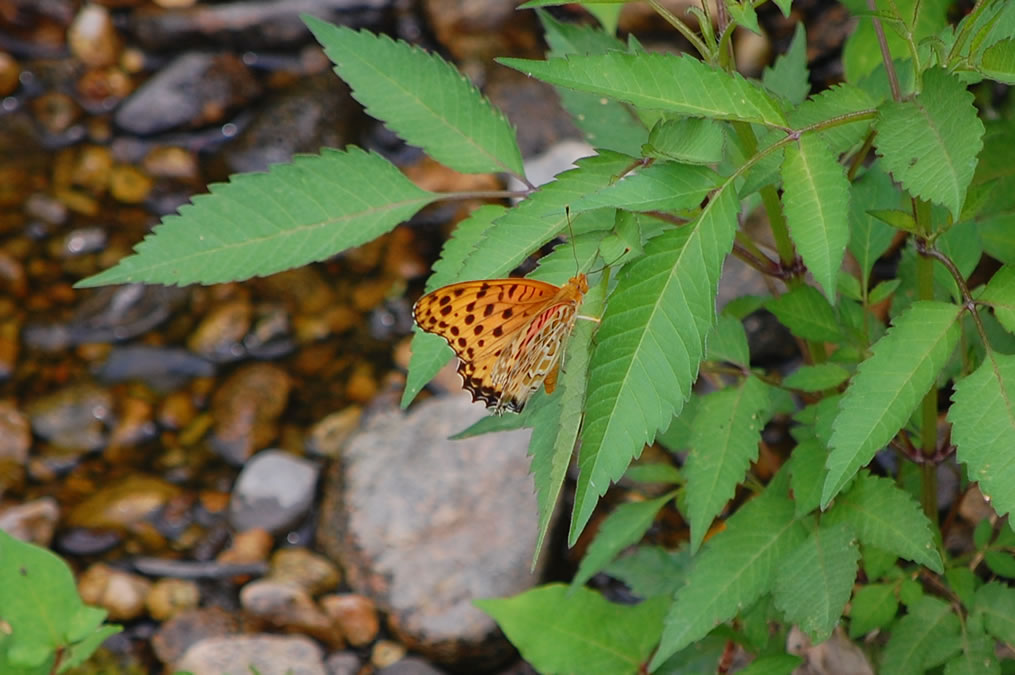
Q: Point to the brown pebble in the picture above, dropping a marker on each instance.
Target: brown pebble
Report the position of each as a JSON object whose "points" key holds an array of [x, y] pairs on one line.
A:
{"points": [[55, 111], [327, 436], [10, 71], [92, 37], [104, 86], [361, 385], [15, 433], [33, 521], [214, 502], [120, 593], [91, 168], [169, 597], [122, 504], [129, 184], [289, 607], [177, 410], [246, 408], [310, 571], [171, 161], [369, 294], [249, 546], [221, 331], [386, 653], [355, 614]]}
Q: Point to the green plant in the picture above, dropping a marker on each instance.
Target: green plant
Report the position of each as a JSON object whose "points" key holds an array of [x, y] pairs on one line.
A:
{"points": [[685, 148], [44, 626]]}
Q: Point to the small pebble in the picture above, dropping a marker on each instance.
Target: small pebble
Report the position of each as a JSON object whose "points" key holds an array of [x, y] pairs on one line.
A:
{"points": [[120, 593], [273, 491], [171, 161], [46, 208], [327, 437], [355, 614], [289, 607], [55, 112], [33, 521], [260, 653], [129, 184], [92, 37], [250, 546], [9, 74], [386, 653], [169, 597], [310, 571], [122, 504]]}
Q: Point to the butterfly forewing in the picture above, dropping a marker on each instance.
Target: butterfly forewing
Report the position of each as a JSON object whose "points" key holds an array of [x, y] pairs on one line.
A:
{"points": [[507, 333]]}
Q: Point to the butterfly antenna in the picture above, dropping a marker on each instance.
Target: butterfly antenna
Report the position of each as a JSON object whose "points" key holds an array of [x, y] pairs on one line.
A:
{"points": [[574, 248], [627, 249]]}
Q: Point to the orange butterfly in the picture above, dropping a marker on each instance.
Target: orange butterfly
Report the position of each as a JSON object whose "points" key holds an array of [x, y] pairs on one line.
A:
{"points": [[507, 333]]}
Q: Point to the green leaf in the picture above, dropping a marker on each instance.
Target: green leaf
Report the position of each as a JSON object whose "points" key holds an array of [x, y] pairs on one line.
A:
{"points": [[651, 571], [998, 62], [734, 568], [728, 342], [807, 469], [996, 603], [885, 516], [658, 81], [833, 102], [816, 202], [818, 377], [788, 76], [262, 223], [1000, 293], [692, 140], [556, 425], [663, 186], [925, 637], [654, 473], [81, 651], [873, 607], [555, 628], [983, 423], [777, 664], [869, 236], [813, 583], [889, 386], [724, 442], [677, 436], [977, 656], [623, 527], [930, 144], [606, 124], [883, 291], [806, 313], [422, 98], [650, 344]]}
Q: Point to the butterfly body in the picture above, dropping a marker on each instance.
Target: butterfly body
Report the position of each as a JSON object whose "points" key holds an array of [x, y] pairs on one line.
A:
{"points": [[507, 333]]}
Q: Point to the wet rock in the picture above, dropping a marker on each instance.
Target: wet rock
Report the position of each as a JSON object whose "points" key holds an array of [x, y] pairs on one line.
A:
{"points": [[33, 521], [343, 663], [169, 597], [187, 628], [290, 608], [122, 504], [15, 434], [356, 615], [248, 24], [273, 491], [239, 655], [327, 437], [72, 418], [194, 90], [92, 37], [313, 573], [9, 73], [162, 368], [249, 546], [481, 29], [86, 167], [315, 112], [171, 162], [81, 542], [386, 653], [120, 593], [129, 185], [99, 91], [177, 410], [55, 112], [410, 666], [424, 532], [83, 240], [245, 409], [10, 344], [46, 208], [134, 425], [220, 334]]}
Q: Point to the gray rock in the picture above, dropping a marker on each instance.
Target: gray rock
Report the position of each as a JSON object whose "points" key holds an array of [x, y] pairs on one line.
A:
{"points": [[424, 525], [241, 655], [273, 491]]}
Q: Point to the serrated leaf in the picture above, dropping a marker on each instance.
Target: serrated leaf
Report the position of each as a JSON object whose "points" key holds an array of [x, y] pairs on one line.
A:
{"points": [[677, 435], [422, 98], [724, 441], [983, 424], [556, 425], [651, 571], [777, 664], [873, 607], [692, 140], [806, 313], [925, 637], [883, 291], [930, 144], [663, 186], [555, 628], [650, 344], [734, 568], [889, 386], [861, 53], [998, 62], [658, 81], [818, 377], [623, 527], [1000, 293], [996, 603], [816, 203], [744, 15], [261, 223], [81, 651], [814, 582], [807, 468], [833, 102], [727, 341], [788, 76], [609, 125], [885, 516], [977, 656]]}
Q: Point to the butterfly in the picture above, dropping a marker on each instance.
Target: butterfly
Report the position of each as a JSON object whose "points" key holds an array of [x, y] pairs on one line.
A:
{"points": [[508, 334]]}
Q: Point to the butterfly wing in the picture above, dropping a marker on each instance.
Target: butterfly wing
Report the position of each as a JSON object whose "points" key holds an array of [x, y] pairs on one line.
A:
{"points": [[481, 320]]}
